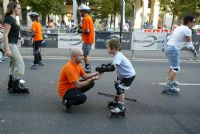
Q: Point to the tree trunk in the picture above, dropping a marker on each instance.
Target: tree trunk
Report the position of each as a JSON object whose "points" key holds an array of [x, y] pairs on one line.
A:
{"points": [[173, 18], [24, 17], [43, 19], [111, 19]]}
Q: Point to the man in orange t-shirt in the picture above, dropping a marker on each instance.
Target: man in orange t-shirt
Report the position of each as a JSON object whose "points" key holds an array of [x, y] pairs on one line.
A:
{"points": [[70, 87], [37, 39], [87, 34]]}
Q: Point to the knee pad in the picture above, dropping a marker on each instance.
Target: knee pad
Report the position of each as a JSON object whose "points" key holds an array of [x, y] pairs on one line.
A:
{"points": [[175, 69], [118, 89]]}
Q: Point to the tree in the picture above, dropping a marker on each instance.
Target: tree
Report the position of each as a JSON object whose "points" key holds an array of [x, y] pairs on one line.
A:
{"points": [[179, 8], [44, 7]]}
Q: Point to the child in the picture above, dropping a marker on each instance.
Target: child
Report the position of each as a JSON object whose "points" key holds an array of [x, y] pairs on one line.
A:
{"points": [[125, 75]]}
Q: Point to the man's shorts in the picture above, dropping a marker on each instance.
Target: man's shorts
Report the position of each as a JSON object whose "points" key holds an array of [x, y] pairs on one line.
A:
{"points": [[86, 49], [173, 55]]}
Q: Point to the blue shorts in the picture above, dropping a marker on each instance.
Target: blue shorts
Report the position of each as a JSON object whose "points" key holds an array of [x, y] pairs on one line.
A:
{"points": [[86, 49], [173, 55]]}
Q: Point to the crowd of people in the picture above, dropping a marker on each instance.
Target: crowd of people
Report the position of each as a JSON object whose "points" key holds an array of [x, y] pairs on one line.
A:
{"points": [[74, 79]]}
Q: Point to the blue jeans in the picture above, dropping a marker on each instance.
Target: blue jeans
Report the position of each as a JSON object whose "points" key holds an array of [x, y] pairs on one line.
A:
{"points": [[173, 55], [86, 49]]}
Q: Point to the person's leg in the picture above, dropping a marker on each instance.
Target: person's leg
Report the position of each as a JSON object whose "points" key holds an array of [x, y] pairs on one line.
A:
{"points": [[36, 52], [120, 86], [88, 87], [173, 55], [73, 97], [39, 54], [18, 68], [86, 49]]}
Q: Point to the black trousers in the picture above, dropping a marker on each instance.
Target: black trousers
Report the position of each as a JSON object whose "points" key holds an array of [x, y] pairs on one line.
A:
{"points": [[76, 96], [36, 52]]}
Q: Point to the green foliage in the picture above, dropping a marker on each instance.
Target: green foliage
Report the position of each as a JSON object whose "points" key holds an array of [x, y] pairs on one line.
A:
{"points": [[179, 7], [103, 8], [44, 6]]}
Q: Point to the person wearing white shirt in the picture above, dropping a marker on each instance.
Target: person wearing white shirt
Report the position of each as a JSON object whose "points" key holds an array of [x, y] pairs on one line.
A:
{"points": [[182, 36]]}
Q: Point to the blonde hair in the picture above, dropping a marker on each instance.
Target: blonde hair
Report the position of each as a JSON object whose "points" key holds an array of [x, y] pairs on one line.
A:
{"points": [[114, 43]]}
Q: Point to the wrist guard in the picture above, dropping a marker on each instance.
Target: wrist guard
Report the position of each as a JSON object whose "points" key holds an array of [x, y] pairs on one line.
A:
{"points": [[105, 68]]}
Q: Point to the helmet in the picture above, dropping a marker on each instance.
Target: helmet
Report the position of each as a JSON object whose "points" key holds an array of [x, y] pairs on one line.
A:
{"points": [[84, 8], [34, 14]]}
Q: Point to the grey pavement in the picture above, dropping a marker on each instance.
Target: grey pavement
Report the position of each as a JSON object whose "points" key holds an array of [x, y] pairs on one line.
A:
{"points": [[64, 52], [41, 111]]}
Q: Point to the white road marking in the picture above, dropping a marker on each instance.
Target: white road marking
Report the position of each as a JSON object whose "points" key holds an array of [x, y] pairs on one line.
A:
{"points": [[111, 58], [184, 84]]}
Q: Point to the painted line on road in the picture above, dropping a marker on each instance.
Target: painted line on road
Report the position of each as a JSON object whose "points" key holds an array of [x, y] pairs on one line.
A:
{"points": [[110, 58], [183, 84]]}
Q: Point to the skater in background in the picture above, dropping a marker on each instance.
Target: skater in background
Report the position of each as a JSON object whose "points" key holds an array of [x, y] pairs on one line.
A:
{"points": [[87, 27], [37, 40], [125, 75], [70, 87], [181, 36], [10, 37]]}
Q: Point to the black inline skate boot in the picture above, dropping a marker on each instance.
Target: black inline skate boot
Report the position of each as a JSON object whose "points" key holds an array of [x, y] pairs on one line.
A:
{"points": [[18, 87], [113, 103], [10, 83], [118, 110]]}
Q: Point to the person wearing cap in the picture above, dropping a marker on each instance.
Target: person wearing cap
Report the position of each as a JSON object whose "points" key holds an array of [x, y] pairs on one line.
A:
{"points": [[181, 37], [87, 30], [37, 39]]}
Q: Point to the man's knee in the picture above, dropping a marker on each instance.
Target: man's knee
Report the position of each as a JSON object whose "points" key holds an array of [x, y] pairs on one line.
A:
{"points": [[80, 99]]}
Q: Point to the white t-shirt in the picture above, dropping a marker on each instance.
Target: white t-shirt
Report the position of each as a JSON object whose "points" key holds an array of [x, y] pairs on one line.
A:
{"points": [[177, 38], [123, 66]]}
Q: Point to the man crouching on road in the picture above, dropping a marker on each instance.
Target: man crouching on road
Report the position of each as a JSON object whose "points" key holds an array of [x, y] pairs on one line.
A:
{"points": [[70, 87]]}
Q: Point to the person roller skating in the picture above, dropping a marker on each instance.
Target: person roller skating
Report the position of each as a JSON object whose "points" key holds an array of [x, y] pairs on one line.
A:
{"points": [[182, 36], [125, 76]]}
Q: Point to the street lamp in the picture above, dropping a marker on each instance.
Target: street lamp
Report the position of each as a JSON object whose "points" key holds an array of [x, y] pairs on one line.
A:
{"points": [[122, 20]]}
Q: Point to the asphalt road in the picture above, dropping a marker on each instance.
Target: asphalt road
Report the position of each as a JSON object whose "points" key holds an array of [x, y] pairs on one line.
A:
{"points": [[41, 111]]}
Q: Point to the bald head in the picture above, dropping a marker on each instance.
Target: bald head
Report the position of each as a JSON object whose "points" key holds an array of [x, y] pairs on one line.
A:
{"points": [[75, 51]]}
